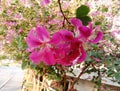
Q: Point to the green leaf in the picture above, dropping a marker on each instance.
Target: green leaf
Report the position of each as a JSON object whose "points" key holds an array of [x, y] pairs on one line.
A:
{"points": [[24, 65], [32, 65], [97, 23], [85, 19], [110, 73], [117, 76], [104, 9], [95, 47], [81, 11]]}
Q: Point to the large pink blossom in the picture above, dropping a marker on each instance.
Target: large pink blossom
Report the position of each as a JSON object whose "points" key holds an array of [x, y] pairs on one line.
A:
{"points": [[68, 49], [63, 48], [38, 44], [85, 32]]}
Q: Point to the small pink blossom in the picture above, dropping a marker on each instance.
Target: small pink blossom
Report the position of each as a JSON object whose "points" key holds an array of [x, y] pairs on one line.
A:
{"points": [[20, 30], [18, 17], [9, 12], [9, 24], [11, 34], [9, 2], [66, 4], [26, 3], [44, 2]]}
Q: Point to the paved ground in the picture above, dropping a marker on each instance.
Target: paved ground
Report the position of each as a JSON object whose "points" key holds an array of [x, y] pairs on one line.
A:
{"points": [[11, 78]]}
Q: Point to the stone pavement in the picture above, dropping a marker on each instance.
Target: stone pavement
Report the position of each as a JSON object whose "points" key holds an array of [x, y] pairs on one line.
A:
{"points": [[11, 78]]}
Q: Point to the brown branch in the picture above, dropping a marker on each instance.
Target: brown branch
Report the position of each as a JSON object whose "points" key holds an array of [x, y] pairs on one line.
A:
{"points": [[81, 73], [65, 18]]}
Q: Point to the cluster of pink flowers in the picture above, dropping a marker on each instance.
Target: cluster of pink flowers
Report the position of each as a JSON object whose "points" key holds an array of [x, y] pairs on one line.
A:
{"points": [[63, 47], [11, 34]]}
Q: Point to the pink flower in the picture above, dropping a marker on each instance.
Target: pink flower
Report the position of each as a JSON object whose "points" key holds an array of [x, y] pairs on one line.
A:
{"points": [[85, 32], [20, 30], [38, 44], [68, 49], [63, 48], [9, 24], [11, 34], [47, 1], [44, 2], [26, 3], [18, 16], [9, 12], [9, 2]]}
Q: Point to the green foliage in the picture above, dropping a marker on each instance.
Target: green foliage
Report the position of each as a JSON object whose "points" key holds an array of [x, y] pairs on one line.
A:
{"points": [[104, 9], [85, 20], [24, 65], [3, 57], [81, 11], [82, 14], [97, 23], [117, 76]]}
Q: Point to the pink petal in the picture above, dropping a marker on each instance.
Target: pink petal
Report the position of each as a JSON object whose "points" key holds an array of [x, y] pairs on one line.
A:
{"points": [[42, 33], [62, 36], [32, 40], [48, 57], [69, 52], [44, 55], [83, 55], [44, 2], [85, 32], [37, 36], [47, 1], [36, 57], [90, 25], [76, 22], [98, 37], [20, 30]]}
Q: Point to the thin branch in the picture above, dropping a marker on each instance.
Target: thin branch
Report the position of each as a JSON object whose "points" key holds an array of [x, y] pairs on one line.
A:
{"points": [[81, 73], [65, 18]]}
